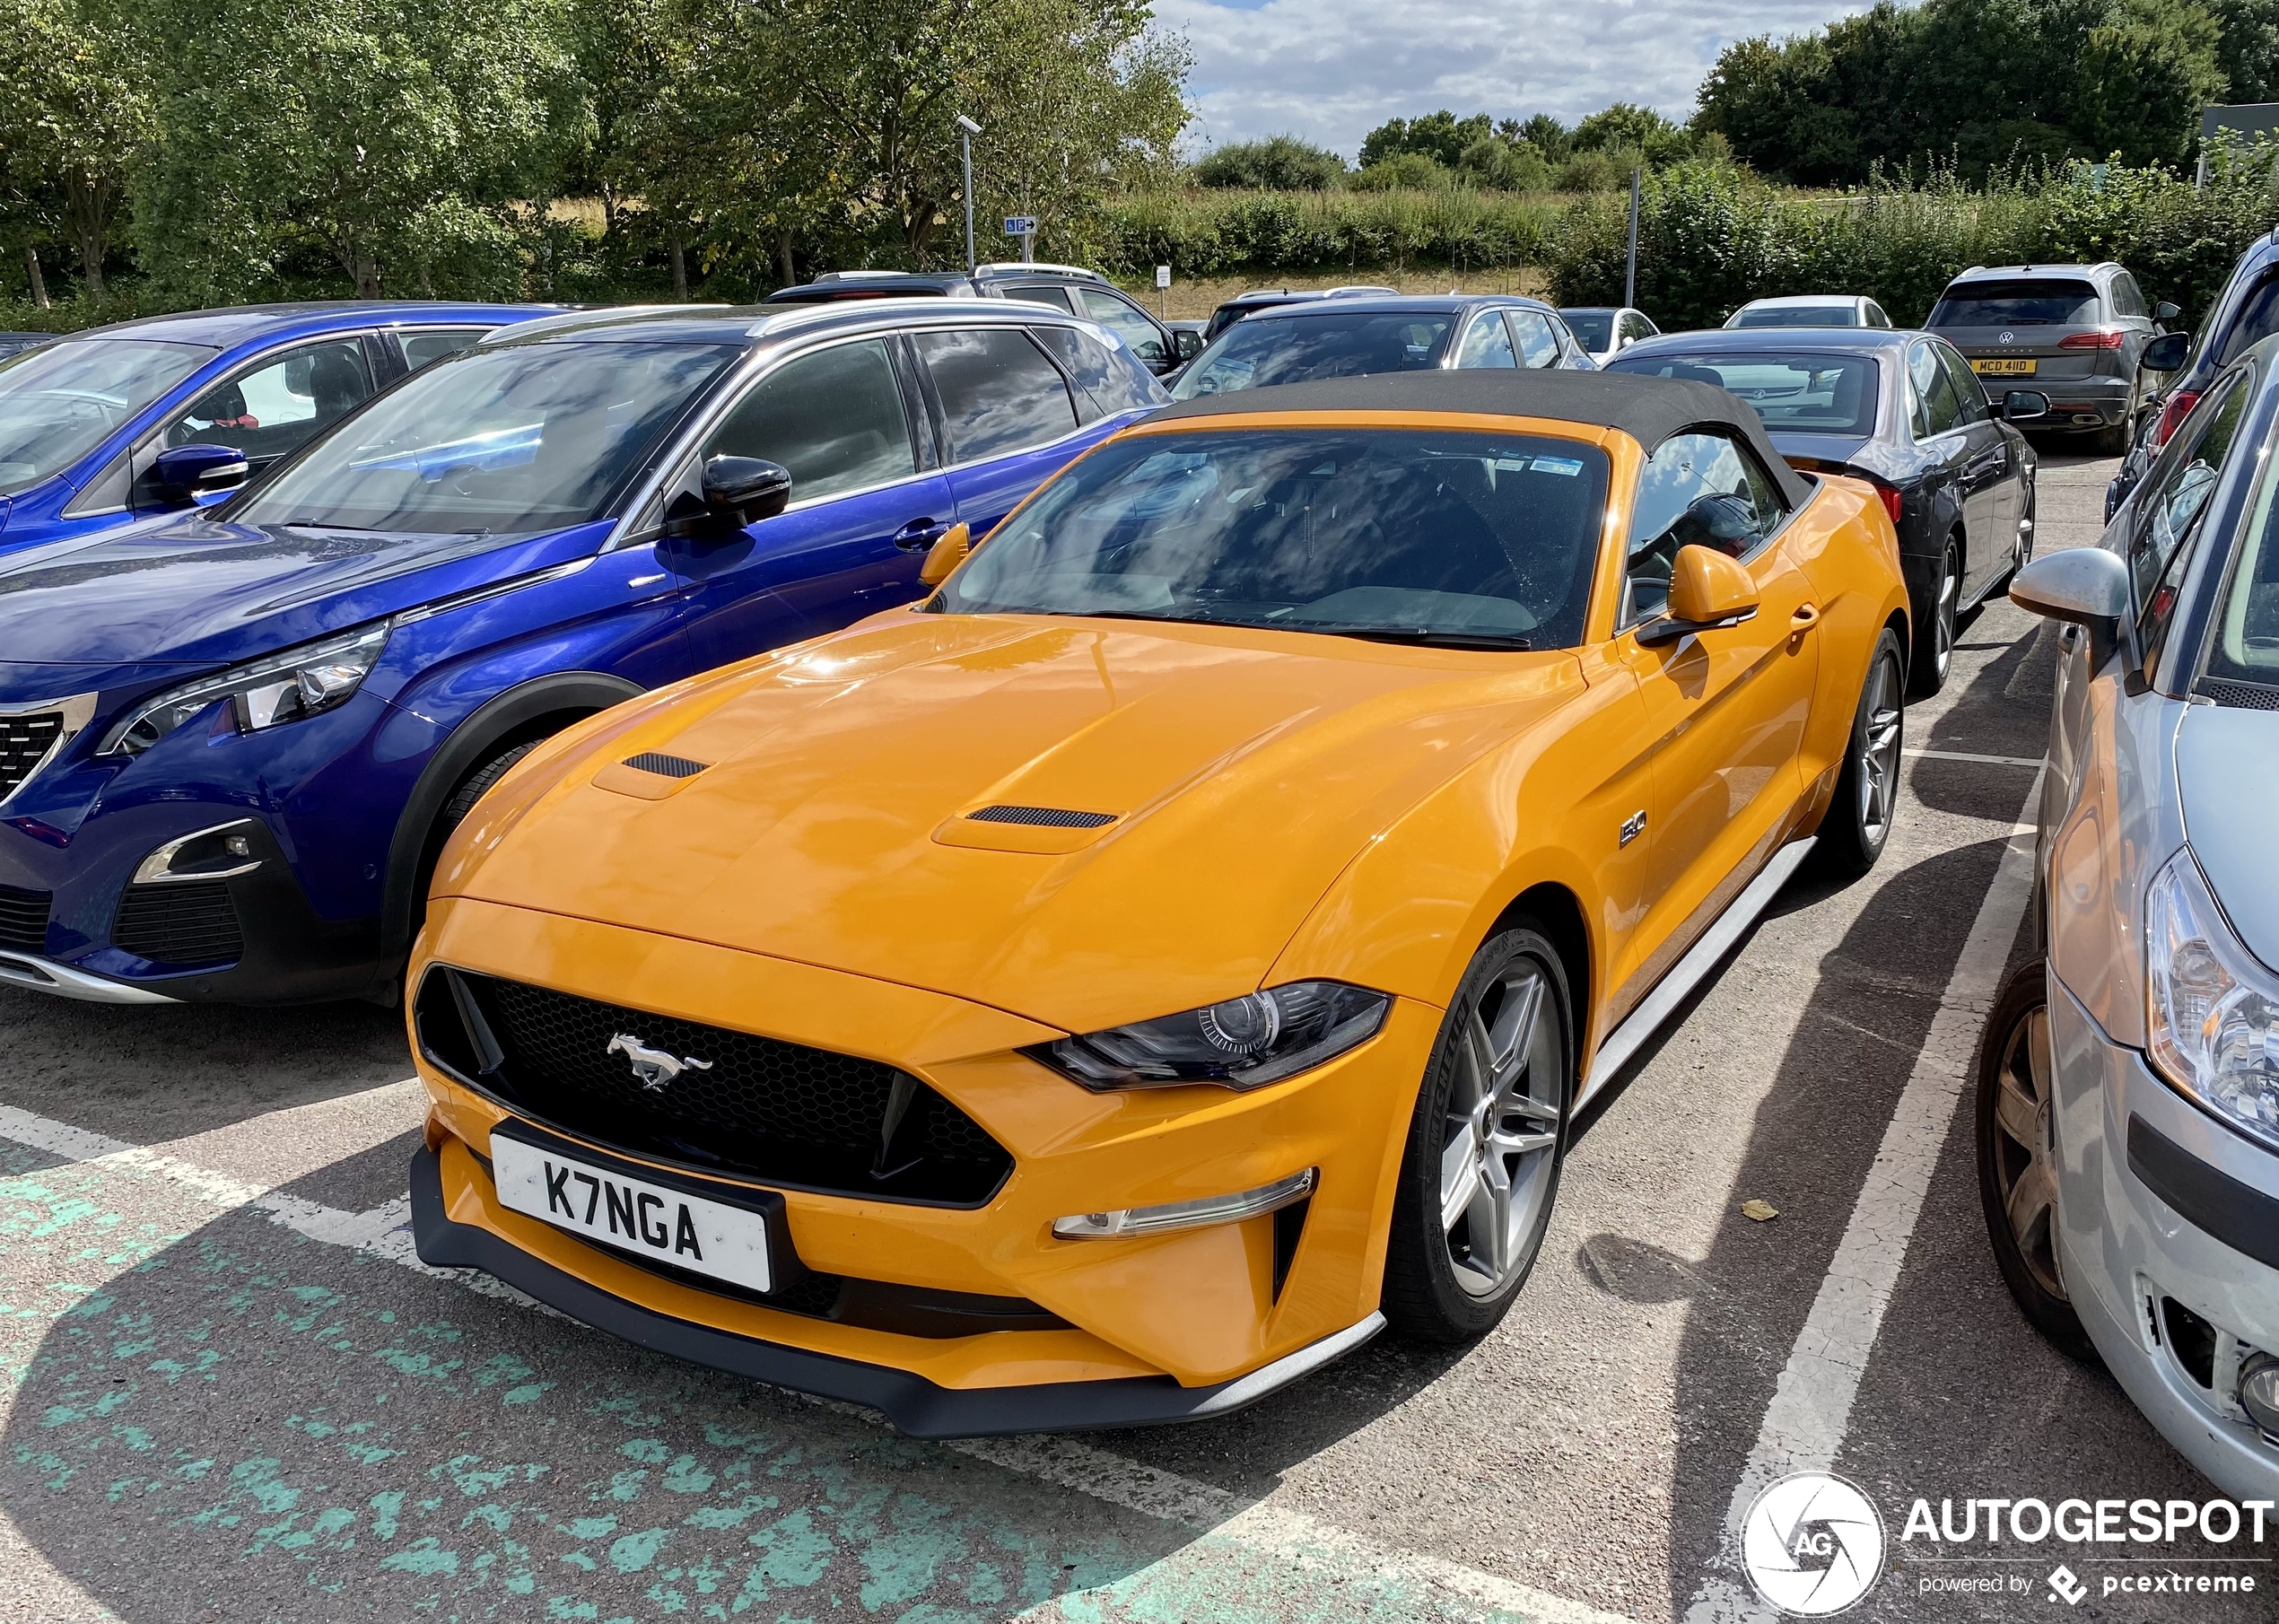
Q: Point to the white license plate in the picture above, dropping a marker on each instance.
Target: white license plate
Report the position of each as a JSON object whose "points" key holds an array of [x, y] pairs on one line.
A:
{"points": [[633, 1215]]}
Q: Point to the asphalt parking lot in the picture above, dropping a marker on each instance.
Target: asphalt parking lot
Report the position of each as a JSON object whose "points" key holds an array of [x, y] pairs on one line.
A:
{"points": [[229, 1391]]}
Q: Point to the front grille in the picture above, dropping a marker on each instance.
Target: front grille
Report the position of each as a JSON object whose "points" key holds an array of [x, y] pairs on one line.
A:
{"points": [[24, 742], [187, 923], [758, 1108], [24, 918], [1043, 818]]}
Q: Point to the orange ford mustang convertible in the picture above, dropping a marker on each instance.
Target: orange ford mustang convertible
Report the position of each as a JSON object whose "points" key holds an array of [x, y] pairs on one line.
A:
{"points": [[1131, 977]]}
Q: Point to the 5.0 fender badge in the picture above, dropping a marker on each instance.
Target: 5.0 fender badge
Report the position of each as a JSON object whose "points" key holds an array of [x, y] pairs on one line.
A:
{"points": [[653, 1067]]}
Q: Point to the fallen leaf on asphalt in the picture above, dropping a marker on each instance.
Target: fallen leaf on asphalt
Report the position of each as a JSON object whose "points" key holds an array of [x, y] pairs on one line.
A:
{"points": [[1764, 1212]]}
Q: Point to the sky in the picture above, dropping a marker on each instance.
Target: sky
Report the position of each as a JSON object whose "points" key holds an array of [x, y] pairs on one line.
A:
{"points": [[1333, 70]]}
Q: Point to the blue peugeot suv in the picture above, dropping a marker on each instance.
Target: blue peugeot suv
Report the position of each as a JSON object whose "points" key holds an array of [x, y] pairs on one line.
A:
{"points": [[231, 744], [155, 416]]}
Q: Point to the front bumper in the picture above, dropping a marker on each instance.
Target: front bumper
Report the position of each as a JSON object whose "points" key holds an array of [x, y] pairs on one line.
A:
{"points": [[1152, 1328], [2126, 1255]]}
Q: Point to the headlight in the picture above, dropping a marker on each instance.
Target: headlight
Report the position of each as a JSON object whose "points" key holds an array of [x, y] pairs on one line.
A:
{"points": [[1260, 1038], [2213, 1012], [266, 693]]}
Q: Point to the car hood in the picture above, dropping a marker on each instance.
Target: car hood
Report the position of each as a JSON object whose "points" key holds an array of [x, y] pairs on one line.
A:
{"points": [[193, 592], [1244, 769], [2228, 779]]}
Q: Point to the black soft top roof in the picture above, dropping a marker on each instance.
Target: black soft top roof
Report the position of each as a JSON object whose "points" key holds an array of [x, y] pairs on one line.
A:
{"points": [[1649, 410]]}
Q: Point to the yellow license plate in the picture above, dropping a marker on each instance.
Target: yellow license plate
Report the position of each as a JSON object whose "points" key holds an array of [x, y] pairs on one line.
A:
{"points": [[2004, 367]]}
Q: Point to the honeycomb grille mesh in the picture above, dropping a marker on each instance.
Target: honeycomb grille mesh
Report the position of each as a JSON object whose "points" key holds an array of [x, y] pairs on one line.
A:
{"points": [[759, 1106], [188, 923], [2241, 695], [1043, 818], [24, 742], [24, 918]]}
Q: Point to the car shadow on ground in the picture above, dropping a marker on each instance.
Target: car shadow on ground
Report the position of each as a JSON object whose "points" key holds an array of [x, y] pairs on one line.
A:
{"points": [[146, 1074]]}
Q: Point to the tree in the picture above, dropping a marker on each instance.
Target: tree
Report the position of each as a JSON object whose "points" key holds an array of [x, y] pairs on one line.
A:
{"points": [[1625, 125], [1280, 163], [1441, 137], [414, 142], [1505, 165], [1542, 132], [2247, 51], [73, 114]]}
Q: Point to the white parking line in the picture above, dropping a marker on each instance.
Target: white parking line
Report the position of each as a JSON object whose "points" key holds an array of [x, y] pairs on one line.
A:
{"points": [[1282, 1536], [1804, 1426], [1988, 761]]}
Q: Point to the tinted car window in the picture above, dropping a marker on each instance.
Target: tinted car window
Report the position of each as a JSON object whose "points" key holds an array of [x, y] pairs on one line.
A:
{"points": [[1538, 344], [2038, 302], [269, 409], [2258, 319], [1044, 293], [420, 348], [1298, 349], [2180, 487], [1875, 316], [1969, 397], [1486, 343], [2243, 644], [1126, 323], [1634, 325], [504, 441], [60, 402], [1113, 380], [1801, 392], [2127, 300], [1697, 489], [1800, 316], [1938, 408], [998, 391], [1392, 533], [833, 418], [1593, 329]]}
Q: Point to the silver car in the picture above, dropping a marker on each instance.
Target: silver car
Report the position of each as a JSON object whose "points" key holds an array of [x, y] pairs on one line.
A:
{"points": [[1811, 311], [2128, 1088]]}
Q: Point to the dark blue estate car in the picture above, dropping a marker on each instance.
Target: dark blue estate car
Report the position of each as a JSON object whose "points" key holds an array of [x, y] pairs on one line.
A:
{"points": [[86, 420], [231, 745]]}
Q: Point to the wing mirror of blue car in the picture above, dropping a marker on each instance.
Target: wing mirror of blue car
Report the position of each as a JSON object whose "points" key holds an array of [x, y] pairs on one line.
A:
{"points": [[2167, 353], [2024, 405], [184, 473], [2085, 587], [735, 491], [1708, 592]]}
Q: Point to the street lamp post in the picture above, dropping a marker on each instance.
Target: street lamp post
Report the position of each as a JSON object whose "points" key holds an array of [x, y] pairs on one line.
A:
{"points": [[966, 130]]}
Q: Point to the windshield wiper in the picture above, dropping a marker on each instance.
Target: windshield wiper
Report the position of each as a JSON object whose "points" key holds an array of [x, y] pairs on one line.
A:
{"points": [[1424, 637], [324, 524]]}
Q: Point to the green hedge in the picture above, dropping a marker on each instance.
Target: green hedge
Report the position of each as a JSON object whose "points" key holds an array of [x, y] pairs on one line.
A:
{"points": [[1212, 233]]}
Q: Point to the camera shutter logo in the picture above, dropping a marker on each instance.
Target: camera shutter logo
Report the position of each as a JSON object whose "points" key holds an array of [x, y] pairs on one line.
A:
{"points": [[1813, 1544]]}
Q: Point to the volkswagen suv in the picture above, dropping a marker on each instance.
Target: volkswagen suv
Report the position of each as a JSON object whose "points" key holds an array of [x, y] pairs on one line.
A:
{"points": [[2075, 333]]}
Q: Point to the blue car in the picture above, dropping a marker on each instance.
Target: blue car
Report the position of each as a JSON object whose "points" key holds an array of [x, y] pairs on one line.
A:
{"points": [[120, 423], [231, 744]]}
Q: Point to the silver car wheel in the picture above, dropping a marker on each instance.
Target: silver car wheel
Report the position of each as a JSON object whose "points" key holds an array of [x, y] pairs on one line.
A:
{"points": [[1942, 615], [1878, 776], [2026, 1157], [1497, 1163]]}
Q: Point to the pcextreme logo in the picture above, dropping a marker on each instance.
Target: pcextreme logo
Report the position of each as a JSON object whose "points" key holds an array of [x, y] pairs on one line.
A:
{"points": [[1813, 1544]]}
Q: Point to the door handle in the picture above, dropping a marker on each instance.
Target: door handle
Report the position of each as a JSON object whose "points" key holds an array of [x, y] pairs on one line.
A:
{"points": [[921, 533], [1805, 618]]}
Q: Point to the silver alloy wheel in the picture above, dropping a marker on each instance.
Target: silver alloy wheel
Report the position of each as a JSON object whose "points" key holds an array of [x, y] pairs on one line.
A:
{"points": [[2025, 1158], [1942, 614], [1878, 774], [1504, 1102]]}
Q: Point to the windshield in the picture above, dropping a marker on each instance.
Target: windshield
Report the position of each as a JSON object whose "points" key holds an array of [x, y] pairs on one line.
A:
{"points": [[1469, 539], [2016, 304], [2258, 318], [59, 403], [1803, 393], [1799, 316], [1298, 349], [1593, 330], [506, 441]]}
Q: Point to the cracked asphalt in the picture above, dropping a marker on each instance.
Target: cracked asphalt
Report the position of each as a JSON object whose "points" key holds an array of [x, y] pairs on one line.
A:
{"points": [[227, 1393]]}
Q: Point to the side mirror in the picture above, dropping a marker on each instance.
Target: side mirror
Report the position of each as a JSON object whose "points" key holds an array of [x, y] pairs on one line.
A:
{"points": [[2165, 311], [744, 490], [2081, 586], [1707, 592], [184, 473], [1186, 344], [2167, 353], [945, 555], [2024, 405]]}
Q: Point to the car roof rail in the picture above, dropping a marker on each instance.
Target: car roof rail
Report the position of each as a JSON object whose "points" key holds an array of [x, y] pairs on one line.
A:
{"points": [[605, 316], [1043, 266], [1355, 289], [782, 318], [863, 275]]}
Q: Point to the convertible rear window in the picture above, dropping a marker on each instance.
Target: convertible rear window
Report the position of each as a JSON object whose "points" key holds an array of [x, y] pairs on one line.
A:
{"points": [[2025, 304], [1800, 392], [1467, 539]]}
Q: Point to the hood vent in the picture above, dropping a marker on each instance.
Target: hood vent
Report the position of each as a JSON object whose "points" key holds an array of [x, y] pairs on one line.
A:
{"points": [[665, 766], [1042, 818]]}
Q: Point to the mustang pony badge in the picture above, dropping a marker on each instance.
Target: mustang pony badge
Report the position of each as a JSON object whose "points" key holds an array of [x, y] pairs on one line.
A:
{"points": [[653, 1067]]}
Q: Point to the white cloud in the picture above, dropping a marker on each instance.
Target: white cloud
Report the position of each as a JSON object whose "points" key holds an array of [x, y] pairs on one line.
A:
{"points": [[1332, 70]]}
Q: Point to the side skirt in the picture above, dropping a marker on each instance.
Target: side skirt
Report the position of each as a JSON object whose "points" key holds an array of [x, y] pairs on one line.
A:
{"points": [[1700, 960]]}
